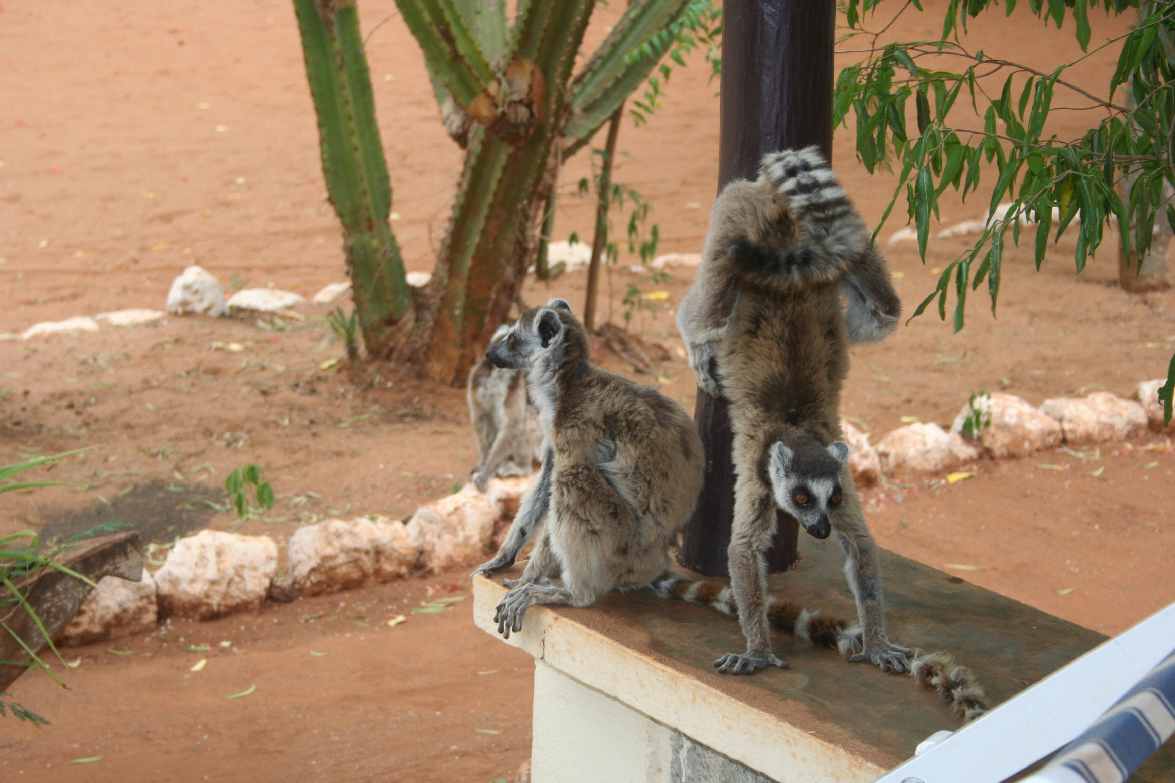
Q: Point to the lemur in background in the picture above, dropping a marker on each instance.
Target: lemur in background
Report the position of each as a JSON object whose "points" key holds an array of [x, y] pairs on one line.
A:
{"points": [[766, 309], [509, 441], [621, 473]]}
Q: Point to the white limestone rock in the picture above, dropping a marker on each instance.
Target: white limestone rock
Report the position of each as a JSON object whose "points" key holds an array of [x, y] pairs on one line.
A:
{"points": [[455, 529], [265, 300], [962, 229], [214, 573], [926, 448], [1008, 425], [418, 279], [342, 554], [79, 324], [573, 256], [864, 462], [1147, 395], [331, 292], [1097, 418], [686, 260], [506, 494], [196, 291], [132, 317], [902, 235], [116, 607]]}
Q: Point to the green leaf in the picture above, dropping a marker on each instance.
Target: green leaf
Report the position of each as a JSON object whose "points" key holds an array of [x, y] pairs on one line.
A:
{"points": [[961, 272], [923, 193], [995, 258], [1167, 391], [265, 497], [923, 111], [1004, 183], [1024, 94], [1044, 217], [242, 694], [1081, 15]]}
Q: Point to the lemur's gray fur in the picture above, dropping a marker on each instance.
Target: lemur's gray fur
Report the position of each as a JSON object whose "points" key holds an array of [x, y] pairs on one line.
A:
{"points": [[765, 327], [621, 472], [509, 440]]}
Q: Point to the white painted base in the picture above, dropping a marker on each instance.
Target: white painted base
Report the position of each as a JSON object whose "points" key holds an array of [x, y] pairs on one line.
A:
{"points": [[584, 736]]}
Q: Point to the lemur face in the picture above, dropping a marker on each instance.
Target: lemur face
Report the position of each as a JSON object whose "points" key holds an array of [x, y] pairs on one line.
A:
{"points": [[534, 335], [807, 486]]}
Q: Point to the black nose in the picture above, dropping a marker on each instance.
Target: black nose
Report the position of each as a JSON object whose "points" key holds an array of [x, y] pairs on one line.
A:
{"points": [[819, 530]]}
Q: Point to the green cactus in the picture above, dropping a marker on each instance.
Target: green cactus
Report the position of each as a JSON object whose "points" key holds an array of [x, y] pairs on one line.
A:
{"points": [[507, 95], [353, 165]]}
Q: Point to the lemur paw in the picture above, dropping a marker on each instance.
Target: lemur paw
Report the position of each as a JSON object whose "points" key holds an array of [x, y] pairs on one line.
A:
{"points": [[511, 609], [499, 562], [481, 480], [701, 360], [885, 655], [748, 663]]}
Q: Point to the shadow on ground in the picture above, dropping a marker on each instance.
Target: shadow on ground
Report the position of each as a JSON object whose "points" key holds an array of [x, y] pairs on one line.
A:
{"points": [[159, 510]]}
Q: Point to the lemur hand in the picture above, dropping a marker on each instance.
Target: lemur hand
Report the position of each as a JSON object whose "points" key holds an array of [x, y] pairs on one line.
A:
{"points": [[499, 562], [480, 479], [701, 359]]}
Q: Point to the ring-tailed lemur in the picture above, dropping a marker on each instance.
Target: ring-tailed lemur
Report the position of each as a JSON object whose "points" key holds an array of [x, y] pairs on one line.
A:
{"points": [[621, 473], [509, 441], [935, 670], [766, 309]]}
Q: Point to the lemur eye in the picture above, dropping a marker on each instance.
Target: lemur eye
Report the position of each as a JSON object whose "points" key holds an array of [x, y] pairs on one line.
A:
{"points": [[835, 498], [801, 499], [512, 340]]}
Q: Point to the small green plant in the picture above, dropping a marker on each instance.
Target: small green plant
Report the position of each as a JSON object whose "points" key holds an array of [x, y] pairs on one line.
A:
{"points": [[978, 415], [237, 485], [346, 327]]}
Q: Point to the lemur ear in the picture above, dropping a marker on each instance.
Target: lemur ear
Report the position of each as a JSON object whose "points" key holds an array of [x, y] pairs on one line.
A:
{"points": [[548, 325], [839, 451], [781, 458], [559, 304]]}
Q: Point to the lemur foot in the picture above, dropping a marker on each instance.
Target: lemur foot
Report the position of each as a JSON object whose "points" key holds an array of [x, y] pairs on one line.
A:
{"points": [[748, 663], [499, 562], [511, 609], [882, 653]]}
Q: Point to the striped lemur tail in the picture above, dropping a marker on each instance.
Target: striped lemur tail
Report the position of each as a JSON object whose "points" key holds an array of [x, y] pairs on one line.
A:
{"points": [[936, 671], [829, 233]]}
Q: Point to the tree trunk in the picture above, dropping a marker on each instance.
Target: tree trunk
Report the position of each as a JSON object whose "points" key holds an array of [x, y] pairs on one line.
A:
{"points": [[1149, 273], [777, 79], [600, 236]]}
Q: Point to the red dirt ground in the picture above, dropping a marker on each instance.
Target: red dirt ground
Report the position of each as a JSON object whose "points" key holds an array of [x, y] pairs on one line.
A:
{"points": [[141, 137]]}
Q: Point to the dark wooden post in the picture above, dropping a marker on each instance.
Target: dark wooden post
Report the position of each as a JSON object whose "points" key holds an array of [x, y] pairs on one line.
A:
{"points": [[776, 92]]}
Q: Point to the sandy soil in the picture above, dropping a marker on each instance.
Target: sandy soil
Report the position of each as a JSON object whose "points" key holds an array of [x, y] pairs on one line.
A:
{"points": [[142, 137]]}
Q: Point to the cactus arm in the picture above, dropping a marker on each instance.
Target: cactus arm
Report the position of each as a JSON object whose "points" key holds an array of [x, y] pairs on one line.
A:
{"points": [[353, 162], [487, 20], [619, 66], [452, 55]]}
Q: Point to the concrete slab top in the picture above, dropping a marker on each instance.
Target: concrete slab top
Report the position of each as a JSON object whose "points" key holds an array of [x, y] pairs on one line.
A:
{"points": [[655, 655]]}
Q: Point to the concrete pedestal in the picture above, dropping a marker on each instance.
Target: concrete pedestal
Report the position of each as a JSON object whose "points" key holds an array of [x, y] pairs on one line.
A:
{"points": [[625, 691]]}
